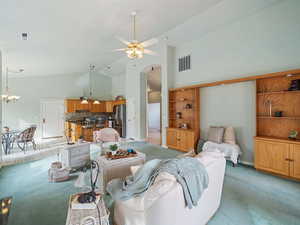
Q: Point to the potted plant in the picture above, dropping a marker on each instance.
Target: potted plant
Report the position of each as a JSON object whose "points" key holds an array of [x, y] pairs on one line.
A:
{"points": [[113, 149], [80, 140]]}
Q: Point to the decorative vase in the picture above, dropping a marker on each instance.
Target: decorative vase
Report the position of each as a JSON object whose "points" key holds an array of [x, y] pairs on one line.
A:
{"points": [[113, 152]]}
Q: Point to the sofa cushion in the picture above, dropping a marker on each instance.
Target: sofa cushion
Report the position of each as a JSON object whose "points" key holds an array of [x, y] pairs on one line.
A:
{"points": [[200, 144], [215, 134], [229, 136]]}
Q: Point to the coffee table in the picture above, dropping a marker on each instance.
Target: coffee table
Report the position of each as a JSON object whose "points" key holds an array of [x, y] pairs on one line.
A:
{"points": [[116, 168]]}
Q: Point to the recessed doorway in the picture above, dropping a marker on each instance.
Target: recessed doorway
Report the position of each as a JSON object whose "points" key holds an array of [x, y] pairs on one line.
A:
{"points": [[153, 77]]}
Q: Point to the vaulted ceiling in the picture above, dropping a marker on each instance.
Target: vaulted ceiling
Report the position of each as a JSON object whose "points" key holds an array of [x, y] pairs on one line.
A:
{"points": [[64, 37]]}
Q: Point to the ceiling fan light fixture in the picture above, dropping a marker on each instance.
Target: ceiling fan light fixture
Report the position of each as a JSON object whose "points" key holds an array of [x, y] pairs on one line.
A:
{"points": [[135, 51], [96, 102]]}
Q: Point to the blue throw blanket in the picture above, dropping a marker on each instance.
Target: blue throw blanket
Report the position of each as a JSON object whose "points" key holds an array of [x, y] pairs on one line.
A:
{"points": [[189, 172]]}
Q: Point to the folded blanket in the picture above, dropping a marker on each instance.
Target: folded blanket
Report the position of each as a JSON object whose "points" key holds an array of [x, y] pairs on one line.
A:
{"points": [[189, 172]]}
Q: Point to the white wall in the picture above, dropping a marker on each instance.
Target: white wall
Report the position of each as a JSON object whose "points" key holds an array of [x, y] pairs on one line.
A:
{"points": [[33, 89], [154, 115], [118, 85], [264, 42], [1, 105], [267, 41], [233, 39], [231, 105]]}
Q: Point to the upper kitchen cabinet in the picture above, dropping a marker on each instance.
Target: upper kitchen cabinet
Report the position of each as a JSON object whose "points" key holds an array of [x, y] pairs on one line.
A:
{"points": [[71, 105], [98, 107], [110, 104], [80, 106]]}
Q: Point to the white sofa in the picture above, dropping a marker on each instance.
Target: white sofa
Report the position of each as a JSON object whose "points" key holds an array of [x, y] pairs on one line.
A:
{"points": [[163, 203]]}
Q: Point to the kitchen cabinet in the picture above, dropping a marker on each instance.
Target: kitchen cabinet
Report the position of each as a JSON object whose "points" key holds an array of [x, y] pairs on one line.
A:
{"points": [[278, 156], [71, 105], [80, 106], [180, 139], [109, 106], [98, 107]]}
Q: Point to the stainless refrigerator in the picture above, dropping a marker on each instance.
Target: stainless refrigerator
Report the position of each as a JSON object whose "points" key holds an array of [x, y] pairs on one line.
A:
{"points": [[120, 119]]}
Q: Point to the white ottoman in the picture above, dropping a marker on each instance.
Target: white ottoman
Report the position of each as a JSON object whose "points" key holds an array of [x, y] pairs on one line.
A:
{"points": [[117, 168]]}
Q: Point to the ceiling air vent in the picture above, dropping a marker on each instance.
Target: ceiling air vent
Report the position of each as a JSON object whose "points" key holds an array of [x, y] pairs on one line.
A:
{"points": [[184, 63]]}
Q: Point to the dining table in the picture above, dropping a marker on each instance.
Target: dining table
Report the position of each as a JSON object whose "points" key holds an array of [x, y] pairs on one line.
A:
{"points": [[8, 138]]}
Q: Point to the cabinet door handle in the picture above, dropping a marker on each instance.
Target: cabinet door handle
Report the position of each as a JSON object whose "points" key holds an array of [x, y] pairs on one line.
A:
{"points": [[290, 160]]}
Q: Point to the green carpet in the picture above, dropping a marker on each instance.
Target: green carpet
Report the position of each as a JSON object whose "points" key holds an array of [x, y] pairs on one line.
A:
{"points": [[249, 197]]}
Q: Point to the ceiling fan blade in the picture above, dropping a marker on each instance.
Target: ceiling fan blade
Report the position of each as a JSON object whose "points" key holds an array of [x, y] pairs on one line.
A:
{"points": [[149, 52], [149, 42], [119, 49], [123, 40]]}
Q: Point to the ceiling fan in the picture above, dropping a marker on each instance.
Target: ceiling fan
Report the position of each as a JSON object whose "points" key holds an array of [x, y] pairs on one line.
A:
{"points": [[136, 49]]}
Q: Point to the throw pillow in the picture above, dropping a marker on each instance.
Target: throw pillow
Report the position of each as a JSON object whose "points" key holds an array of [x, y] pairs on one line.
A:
{"points": [[199, 146], [215, 134], [229, 136]]}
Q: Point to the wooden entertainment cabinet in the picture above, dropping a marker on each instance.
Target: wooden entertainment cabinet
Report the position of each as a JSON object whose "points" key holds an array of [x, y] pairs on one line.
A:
{"points": [[274, 151], [184, 115]]}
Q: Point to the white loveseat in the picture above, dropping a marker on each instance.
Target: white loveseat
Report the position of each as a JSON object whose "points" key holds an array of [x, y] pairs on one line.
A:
{"points": [[163, 203]]}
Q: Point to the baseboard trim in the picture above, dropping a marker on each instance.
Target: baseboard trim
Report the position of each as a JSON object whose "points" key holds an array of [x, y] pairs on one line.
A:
{"points": [[247, 163], [164, 146]]}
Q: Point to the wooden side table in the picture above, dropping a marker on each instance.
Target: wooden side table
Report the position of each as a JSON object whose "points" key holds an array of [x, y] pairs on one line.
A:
{"points": [[77, 216]]}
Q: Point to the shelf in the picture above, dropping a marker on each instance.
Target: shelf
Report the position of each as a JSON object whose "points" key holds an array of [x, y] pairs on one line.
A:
{"points": [[283, 117], [180, 119], [180, 101], [277, 92], [278, 139]]}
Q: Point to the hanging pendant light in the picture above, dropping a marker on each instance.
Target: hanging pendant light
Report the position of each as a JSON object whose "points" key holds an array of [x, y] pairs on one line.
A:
{"points": [[85, 100], [6, 97]]}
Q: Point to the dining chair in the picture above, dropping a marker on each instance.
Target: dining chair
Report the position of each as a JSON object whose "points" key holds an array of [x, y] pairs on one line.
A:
{"points": [[25, 137]]}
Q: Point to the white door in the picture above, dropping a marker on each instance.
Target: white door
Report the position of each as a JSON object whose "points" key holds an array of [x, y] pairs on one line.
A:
{"points": [[52, 118]]}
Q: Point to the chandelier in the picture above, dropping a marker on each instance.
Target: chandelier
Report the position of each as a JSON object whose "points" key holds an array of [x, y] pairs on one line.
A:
{"points": [[85, 100], [7, 97]]}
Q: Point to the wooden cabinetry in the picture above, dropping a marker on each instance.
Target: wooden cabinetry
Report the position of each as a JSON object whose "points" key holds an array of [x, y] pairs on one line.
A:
{"points": [[184, 126], [110, 104], [274, 152], [278, 156], [71, 105], [180, 139], [295, 164], [98, 107]]}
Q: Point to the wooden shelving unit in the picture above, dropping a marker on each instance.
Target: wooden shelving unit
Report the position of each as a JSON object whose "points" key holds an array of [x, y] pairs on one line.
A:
{"points": [[274, 151], [272, 96], [184, 105]]}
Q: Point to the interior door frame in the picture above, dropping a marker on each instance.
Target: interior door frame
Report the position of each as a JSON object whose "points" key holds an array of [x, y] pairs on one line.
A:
{"points": [[144, 76], [42, 102]]}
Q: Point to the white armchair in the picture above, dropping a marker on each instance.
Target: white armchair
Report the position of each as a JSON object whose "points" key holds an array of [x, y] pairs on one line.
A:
{"points": [[106, 137], [165, 198]]}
